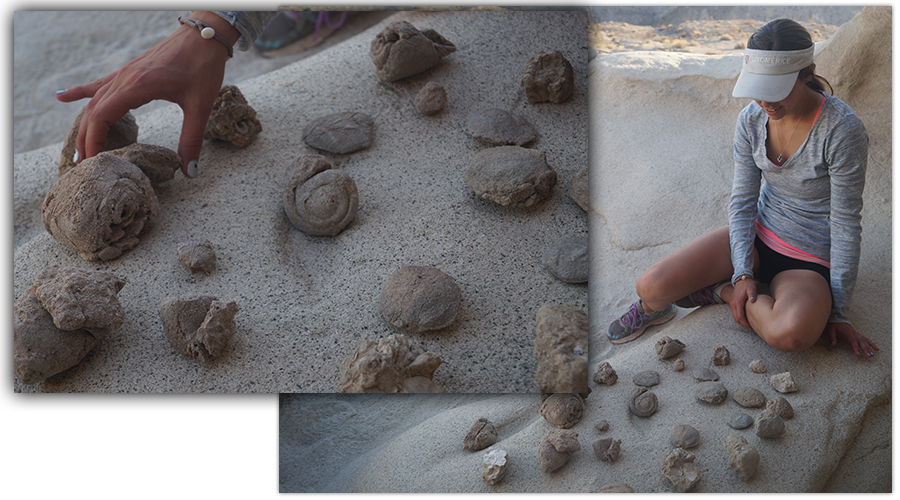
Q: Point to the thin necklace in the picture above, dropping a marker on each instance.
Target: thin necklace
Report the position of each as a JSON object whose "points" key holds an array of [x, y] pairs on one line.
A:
{"points": [[779, 160]]}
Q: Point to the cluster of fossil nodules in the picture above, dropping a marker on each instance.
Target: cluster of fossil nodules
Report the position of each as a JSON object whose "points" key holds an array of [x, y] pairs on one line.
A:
{"points": [[100, 206], [61, 318]]}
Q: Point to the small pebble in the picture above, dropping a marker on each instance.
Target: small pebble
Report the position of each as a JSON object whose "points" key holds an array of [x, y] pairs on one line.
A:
{"points": [[721, 356], [711, 392], [647, 378], [431, 98], [679, 365], [748, 397], [567, 259], [781, 406], [667, 347], [705, 375], [784, 383], [768, 424], [742, 457], [605, 374], [739, 421], [757, 366], [601, 425], [684, 436], [607, 449]]}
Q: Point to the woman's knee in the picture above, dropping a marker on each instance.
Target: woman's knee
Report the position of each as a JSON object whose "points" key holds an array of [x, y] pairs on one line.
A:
{"points": [[651, 285], [793, 336]]}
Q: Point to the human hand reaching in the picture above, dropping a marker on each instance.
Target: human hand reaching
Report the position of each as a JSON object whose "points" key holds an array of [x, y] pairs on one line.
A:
{"points": [[184, 68], [744, 291], [859, 343]]}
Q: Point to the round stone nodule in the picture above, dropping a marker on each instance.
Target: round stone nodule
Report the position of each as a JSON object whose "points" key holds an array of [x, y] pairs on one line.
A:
{"points": [[340, 132], [419, 298], [567, 259], [511, 176], [711, 392]]}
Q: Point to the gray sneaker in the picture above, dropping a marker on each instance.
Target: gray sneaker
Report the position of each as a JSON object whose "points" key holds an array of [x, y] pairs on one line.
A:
{"points": [[633, 323]]}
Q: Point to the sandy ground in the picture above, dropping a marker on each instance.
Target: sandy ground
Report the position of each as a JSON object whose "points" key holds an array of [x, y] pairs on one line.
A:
{"points": [[306, 303]]}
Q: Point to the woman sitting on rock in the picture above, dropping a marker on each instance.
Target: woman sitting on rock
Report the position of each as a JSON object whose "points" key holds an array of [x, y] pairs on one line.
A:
{"points": [[800, 233]]}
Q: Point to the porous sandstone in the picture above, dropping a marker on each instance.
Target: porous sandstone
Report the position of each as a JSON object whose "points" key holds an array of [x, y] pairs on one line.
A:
{"points": [[561, 350]]}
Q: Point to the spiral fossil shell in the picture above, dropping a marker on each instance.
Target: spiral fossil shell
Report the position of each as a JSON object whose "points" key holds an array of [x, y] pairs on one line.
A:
{"points": [[319, 200], [643, 403]]}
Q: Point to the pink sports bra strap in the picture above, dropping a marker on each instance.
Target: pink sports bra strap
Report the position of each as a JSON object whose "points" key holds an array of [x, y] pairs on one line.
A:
{"points": [[778, 245]]}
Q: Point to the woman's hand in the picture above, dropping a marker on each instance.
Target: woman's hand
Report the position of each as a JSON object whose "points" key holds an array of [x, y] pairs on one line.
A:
{"points": [[184, 68], [744, 291], [846, 331]]}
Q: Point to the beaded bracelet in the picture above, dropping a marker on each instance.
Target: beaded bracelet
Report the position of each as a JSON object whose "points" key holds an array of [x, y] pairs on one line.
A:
{"points": [[207, 32], [741, 278]]}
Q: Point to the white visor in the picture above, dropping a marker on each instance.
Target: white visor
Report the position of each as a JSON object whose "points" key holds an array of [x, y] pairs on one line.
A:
{"points": [[769, 75]]}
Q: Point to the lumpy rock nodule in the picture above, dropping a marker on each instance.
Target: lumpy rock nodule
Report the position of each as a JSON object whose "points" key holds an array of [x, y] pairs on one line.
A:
{"points": [[400, 51], [431, 98], [511, 176], [100, 207], [563, 410], [121, 134], [499, 126], [548, 76], [556, 448], [158, 163], [482, 434], [197, 255], [560, 348], [567, 259], [318, 199], [61, 317], [341, 133], [393, 364], [200, 326], [419, 299], [494, 465], [232, 118]]}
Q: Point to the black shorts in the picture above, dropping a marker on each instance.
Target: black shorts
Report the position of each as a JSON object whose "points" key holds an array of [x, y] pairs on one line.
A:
{"points": [[772, 263]]}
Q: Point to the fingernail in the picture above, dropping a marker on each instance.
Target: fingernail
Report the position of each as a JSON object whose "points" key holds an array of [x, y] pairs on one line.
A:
{"points": [[192, 169], [76, 157], [63, 91]]}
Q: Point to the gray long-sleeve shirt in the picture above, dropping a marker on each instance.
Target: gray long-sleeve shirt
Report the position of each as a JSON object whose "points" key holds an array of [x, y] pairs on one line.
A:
{"points": [[812, 202], [249, 23]]}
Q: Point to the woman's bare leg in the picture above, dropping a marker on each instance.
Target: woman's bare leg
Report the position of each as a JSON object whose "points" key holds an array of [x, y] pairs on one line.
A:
{"points": [[794, 316], [701, 263]]}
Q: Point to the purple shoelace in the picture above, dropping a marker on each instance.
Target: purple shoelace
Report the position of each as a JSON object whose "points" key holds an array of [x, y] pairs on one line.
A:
{"points": [[325, 18], [633, 317]]}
